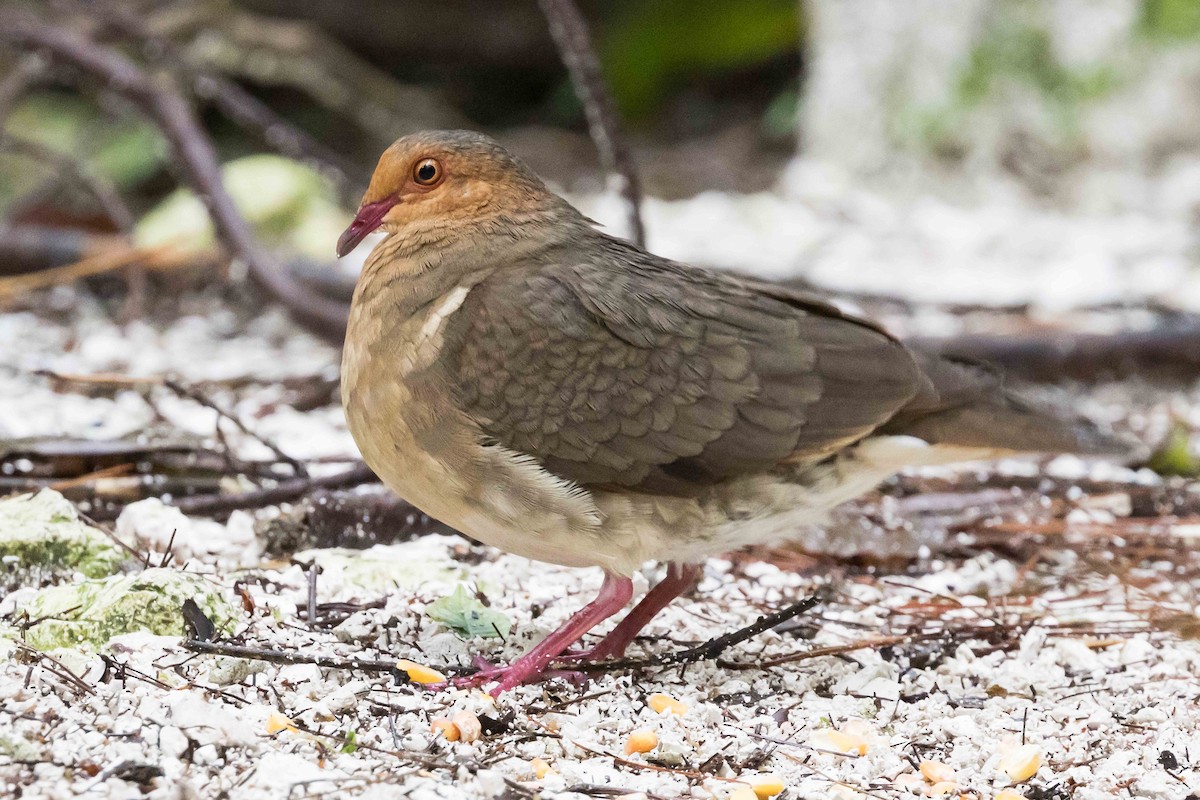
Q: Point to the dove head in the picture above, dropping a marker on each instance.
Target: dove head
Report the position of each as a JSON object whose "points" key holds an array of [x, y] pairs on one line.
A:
{"points": [[433, 185]]}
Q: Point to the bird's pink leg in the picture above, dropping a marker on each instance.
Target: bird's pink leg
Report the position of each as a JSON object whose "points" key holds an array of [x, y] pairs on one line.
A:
{"points": [[615, 592], [679, 578]]}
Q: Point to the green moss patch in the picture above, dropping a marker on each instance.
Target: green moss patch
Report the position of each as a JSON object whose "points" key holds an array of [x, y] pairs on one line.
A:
{"points": [[92, 612], [42, 533]]}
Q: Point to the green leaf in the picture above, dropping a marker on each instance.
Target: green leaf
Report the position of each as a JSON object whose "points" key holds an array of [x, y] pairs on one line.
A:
{"points": [[463, 613], [351, 742], [1175, 456]]}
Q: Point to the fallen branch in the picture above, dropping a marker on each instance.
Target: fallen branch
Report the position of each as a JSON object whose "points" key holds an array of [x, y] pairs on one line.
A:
{"points": [[283, 492], [163, 103], [570, 33], [1170, 349]]}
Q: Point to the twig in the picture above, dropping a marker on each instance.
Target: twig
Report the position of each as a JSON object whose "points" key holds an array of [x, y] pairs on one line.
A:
{"points": [[874, 643], [713, 648], [98, 264], [277, 656], [167, 107], [58, 669], [284, 491], [199, 397], [1173, 349], [570, 33]]}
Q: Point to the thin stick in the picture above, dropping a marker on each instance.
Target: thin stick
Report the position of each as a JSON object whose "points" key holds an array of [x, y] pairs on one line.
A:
{"points": [[570, 33], [199, 397], [284, 491], [109, 261], [276, 656], [162, 102], [713, 648]]}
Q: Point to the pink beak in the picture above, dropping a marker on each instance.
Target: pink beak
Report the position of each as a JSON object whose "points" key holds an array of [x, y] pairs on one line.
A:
{"points": [[369, 217]]}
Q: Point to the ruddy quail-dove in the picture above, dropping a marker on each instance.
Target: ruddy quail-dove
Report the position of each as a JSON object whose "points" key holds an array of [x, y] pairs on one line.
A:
{"points": [[565, 395]]}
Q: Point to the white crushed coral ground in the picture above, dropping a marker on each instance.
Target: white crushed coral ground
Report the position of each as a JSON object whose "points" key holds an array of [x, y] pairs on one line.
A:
{"points": [[1057, 653]]}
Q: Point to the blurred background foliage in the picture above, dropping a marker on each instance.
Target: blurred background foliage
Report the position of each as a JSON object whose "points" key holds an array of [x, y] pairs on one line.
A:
{"points": [[681, 71]]}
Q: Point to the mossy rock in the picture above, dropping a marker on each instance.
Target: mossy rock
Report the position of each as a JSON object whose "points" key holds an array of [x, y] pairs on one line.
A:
{"points": [[92, 612], [41, 535]]}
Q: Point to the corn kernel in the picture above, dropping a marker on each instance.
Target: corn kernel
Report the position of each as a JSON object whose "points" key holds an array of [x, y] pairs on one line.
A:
{"points": [[1021, 763], [742, 793], [1009, 794], [469, 729], [418, 673], [447, 729], [641, 741], [765, 785], [942, 788], [541, 768], [936, 772], [277, 722], [839, 741], [660, 702]]}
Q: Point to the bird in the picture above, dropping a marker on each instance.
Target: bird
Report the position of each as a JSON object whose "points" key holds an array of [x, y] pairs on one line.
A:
{"points": [[563, 394]]}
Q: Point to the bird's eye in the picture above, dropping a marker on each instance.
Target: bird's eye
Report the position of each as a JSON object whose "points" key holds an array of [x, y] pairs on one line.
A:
{"points": [[427, 172]]}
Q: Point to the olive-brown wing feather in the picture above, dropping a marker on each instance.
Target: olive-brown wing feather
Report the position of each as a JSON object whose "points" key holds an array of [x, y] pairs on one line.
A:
{"points": [[648, 374]]}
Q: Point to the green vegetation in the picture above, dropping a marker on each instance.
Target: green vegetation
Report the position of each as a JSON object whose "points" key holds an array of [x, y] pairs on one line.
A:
{"points": [[44, 534], [648, 47], [1170, 19], [464, 613], [92, 612]]}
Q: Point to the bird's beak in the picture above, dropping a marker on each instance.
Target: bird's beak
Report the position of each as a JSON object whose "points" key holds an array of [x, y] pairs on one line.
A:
{"points": [[369, 217]]}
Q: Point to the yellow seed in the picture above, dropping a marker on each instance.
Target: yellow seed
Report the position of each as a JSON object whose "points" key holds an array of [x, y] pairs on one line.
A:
{"points": [[664, 702], [277, 722], [742, 793], [840, 741], [1009, 794], [1021, 763], [936, 772], [418, 673], [765, 785], [641, 741], [541, 768], [446, 728], [943, 788], [469, 729]]}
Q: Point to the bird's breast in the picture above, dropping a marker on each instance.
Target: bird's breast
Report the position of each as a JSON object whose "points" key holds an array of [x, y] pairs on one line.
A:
{"points": [[402, 410]]}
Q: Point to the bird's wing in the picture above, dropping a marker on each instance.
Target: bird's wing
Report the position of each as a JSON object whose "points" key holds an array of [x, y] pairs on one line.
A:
{"points": [[651, 375]]}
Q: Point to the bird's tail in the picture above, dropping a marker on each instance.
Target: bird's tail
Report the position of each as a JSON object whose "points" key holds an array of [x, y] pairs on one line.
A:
{"points": [[967, 406]]}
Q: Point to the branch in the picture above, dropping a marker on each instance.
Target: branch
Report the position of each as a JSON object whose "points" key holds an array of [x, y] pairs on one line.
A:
{"points": [[570, 33], [283, 492], [1171, 349], [713, 648], [162, 102], [236, 103]]}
